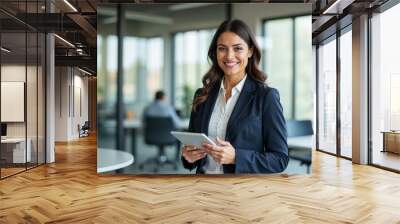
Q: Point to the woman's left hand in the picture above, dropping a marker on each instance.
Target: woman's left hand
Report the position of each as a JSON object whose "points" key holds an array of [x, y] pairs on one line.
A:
{"points": [[222, 153]]}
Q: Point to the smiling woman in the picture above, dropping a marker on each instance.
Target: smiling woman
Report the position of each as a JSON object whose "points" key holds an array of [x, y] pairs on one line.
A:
{"points": [[237, 110], [232, 54]]}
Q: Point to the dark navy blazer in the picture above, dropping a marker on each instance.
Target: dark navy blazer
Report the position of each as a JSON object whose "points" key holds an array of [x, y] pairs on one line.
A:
{"points": [[256, 129]]}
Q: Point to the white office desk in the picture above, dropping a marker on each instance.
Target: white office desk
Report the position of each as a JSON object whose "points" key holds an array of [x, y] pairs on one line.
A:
{"points": [[111, 159], [18, 150], [138, 124], [133, 126]]}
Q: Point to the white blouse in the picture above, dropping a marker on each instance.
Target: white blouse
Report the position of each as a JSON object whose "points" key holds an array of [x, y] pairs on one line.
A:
{"points": [[219, 120]]}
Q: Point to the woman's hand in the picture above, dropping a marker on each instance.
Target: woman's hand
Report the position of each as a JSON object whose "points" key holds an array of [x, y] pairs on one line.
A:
{"points": [[224, 153], [192, 154]]}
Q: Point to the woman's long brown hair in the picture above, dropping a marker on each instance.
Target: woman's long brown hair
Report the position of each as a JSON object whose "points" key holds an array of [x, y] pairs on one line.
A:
{"points": [[215, 74]]}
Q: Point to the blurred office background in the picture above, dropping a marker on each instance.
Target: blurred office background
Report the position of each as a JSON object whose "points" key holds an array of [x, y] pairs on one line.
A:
{"points": [[164, 46]]}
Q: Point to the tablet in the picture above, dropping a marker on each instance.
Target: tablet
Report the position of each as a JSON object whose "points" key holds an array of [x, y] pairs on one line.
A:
{"points": [[189, 138]]}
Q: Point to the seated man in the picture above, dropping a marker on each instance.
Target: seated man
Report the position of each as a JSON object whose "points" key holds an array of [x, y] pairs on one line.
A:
{"points": [[160, 108]]}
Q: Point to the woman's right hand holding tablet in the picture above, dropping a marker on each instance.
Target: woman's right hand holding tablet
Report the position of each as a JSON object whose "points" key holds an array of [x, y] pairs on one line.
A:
{"points": [[192, 154]]}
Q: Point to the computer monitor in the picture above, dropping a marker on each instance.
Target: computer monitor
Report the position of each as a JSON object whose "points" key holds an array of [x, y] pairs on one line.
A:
{"points": [[3, 129]]}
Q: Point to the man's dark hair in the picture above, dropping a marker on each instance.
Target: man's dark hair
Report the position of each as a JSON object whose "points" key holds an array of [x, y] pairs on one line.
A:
{"points": [[159, 95]]}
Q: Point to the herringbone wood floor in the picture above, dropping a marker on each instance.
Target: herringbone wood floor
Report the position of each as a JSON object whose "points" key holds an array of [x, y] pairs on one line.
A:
{"points": [[70, 191]]}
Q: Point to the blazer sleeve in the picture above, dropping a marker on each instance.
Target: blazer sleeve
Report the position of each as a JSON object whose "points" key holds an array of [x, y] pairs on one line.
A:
{"points": [[274, 158], [187, 164]]}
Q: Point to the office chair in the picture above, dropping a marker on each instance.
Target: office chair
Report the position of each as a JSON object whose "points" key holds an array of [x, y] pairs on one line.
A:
{"points": [[157, 132], [298, 128], [84, 130]]}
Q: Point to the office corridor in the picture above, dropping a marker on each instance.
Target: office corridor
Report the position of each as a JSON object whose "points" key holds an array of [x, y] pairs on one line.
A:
{"points": [[70, 191]]}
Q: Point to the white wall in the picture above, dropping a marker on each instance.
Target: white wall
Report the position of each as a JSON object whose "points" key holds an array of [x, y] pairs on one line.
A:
{"points": [[33, 126], [80, 103], [70, 83], [61, 103], [14, 73]]}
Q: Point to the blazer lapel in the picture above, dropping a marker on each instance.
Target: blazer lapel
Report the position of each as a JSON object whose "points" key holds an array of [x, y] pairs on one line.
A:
{"points": [[208, 108], [245, 97]]}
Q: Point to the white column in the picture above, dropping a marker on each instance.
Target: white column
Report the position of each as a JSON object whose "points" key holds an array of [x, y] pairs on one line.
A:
{"points": [[360, 90], [168, 61], [63, 101], [50, 100]]}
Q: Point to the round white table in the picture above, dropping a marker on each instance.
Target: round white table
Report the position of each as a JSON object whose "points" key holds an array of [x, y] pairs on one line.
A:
{"points": [[111, 159]]}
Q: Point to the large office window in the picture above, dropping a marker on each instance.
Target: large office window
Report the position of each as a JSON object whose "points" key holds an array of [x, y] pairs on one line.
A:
{"points": [[143, 69], [327, 96], [107, 58], [346, 93], [335, 61], [142, 74], [278, 62], [385, 85], [107, 69], [304, 84], [190, 64], [288, 64]]}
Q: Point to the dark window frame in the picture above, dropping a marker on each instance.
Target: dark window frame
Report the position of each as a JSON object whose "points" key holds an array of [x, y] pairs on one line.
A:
{"points": [[294, 61], [381, 9], [334, 37]]}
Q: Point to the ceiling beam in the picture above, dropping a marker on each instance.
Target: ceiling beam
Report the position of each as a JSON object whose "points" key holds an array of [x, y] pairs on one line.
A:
{"points": [[84, 24], [82, 61]]}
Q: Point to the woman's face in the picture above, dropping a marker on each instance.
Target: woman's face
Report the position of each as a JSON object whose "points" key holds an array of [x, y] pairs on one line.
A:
{"points": [[233, 54]]}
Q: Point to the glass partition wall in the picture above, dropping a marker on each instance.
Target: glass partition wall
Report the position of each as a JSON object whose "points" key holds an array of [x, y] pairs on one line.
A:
{"points": [[385, 89], [334, 75], [346, 93], [327, 96], [107, 56], [22, 87], [13, 109]]}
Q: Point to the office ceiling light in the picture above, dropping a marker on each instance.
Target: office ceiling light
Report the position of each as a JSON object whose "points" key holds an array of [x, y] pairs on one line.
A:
{"points": [[79, 51], [70, 5], [184, 6], [337, 7], [145, 17], [5, 50], [84, 71], [65, 41]]}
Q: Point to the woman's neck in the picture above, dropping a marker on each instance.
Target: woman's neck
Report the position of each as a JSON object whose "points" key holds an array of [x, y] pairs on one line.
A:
{"points": [[231, 81]]}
